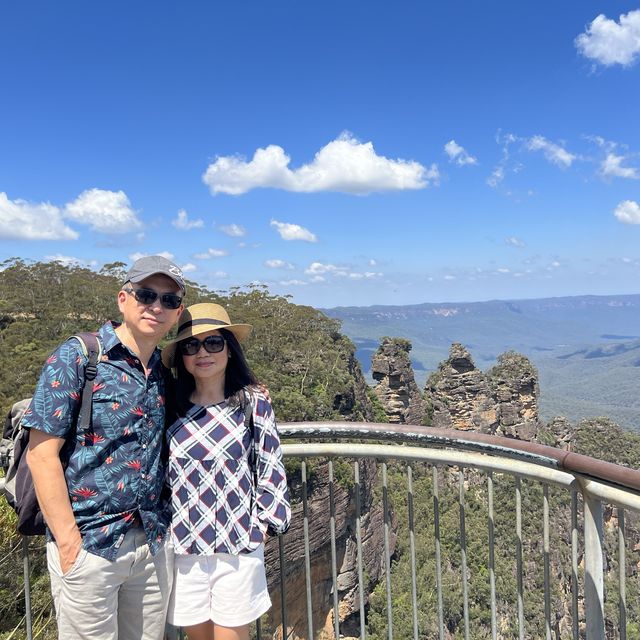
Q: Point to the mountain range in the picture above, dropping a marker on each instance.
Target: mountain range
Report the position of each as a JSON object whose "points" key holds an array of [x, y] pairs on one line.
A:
{"points": [[586, 348]]}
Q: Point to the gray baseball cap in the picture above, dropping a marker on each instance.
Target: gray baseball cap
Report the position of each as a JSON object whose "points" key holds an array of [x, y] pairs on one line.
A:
{"points": [[150, 265]]}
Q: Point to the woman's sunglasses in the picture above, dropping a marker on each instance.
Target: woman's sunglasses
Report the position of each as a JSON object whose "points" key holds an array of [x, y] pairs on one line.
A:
{"points": [[211, 344], [149, 296]]}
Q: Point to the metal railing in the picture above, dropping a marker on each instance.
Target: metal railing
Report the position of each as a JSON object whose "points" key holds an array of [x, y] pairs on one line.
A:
{"points": [[565, 478], [416, 479]]}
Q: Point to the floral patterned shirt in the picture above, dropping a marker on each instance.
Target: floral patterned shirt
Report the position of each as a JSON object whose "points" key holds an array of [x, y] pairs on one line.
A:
{"points": [[116, 471]]}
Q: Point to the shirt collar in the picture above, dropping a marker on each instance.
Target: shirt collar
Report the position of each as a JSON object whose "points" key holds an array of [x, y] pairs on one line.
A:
{"points": [[109, 338]]}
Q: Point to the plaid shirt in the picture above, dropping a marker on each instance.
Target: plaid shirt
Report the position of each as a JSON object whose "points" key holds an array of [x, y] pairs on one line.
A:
{"points": [[216, 507], [115, 471]]}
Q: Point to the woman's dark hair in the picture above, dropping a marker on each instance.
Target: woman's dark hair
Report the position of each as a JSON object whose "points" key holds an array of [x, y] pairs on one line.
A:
{"points": [[237, 376]]}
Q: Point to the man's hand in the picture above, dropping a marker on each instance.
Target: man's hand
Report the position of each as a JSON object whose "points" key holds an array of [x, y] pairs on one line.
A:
{"points": [[69, 554], [43, 458]]}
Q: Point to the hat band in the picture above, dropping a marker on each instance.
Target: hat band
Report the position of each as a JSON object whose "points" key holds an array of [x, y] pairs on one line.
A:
{"points": [[193, 323]]}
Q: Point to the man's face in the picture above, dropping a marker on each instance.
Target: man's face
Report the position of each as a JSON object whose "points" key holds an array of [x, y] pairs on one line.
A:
{"points": [[152, 320]]}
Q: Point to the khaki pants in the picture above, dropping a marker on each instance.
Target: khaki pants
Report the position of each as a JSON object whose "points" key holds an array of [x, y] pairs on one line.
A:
{"points": [[123, 599]]}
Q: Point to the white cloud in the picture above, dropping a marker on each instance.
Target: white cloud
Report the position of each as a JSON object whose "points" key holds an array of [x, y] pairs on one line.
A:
{"points": [[220, 274], [186, 268], [458, 154], [165, 254], [514, 242], [609, 42], [290, 231], [70, 261], [233, 230], [210, 253], [553, 153], [612, 167], [287, 283], [628, 212], [105, 211], [317, 268], [503, 270], [496, 177], [345, 165], [278, 264], [21, 220], [364, 276], [183, 223]]}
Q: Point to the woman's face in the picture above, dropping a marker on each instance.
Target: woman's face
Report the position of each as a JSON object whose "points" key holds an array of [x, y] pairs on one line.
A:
{"points": [[205, 366]]}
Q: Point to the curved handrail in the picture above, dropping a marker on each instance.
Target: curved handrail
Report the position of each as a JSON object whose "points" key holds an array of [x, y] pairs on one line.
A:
{"points": [[523, 450]]}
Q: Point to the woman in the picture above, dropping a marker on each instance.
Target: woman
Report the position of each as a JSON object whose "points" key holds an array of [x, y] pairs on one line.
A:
{"points": [[227, 479]]}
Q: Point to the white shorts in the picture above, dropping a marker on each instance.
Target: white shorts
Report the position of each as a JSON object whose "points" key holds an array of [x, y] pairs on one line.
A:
{"points": [[230, 590]]}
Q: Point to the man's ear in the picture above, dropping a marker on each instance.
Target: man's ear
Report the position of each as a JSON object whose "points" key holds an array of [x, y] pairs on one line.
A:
{"points": [[122, 296]]}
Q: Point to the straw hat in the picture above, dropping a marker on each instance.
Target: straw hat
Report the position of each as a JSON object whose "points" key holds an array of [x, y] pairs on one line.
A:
{"points": [[201, 318]]}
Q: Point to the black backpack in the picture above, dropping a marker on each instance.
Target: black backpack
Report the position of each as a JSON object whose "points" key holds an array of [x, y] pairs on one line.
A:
{"points": [[17, 484]]}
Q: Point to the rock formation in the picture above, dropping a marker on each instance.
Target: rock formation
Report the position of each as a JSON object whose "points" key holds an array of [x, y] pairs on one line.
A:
{"points": [[397, 389], [460, 396], [514, 386], [504, 401]]}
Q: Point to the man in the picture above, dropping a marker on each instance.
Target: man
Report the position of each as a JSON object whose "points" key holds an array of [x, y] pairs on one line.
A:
{"points": [[101, 492]]}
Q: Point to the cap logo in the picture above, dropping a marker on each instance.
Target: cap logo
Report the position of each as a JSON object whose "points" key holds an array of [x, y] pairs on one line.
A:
{"points": [[176, 272]]}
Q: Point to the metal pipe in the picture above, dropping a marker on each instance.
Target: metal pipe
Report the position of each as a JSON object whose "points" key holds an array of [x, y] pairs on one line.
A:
{"points": [[463, 554], [622, 576], [436, 528], [545, 552], [356, 467], [492, 573], [283, 600], [519, 563], [412, 552], [307, 558], [593, 564], [387, 555], [438, 456], [575, 586], [334, 567], [26, 571]]}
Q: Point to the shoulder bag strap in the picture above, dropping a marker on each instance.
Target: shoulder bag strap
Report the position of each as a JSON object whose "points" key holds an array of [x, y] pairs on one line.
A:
{"points": [[92, 348]]}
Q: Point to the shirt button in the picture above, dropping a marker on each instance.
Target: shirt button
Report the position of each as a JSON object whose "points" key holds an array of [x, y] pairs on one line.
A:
{"points": [[144, 446]]}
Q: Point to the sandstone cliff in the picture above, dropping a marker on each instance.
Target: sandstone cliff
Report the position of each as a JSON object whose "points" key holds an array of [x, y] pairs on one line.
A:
{"points": [[397, 389], [503, 401]]}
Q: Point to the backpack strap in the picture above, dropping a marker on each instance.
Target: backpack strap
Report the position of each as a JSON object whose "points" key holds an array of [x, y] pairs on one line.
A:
{"points": [[92, 349], [247, 407]]}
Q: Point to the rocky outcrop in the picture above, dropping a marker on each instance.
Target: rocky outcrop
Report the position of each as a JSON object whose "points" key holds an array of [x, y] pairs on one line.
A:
{"points": [[514, 386], [397, 389], [460, 396], [504, 401], [319, 518]]}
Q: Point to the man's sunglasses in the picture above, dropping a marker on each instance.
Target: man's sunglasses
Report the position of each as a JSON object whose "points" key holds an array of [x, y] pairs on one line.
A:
{"points": [[149, 296], [211, 344]]}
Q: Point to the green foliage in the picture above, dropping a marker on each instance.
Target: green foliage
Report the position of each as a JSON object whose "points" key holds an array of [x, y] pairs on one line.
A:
{"points": [[476, 527], [297, 352]]}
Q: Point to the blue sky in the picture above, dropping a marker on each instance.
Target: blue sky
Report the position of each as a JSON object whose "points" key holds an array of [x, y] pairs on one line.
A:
{"points": [[339, 152]]}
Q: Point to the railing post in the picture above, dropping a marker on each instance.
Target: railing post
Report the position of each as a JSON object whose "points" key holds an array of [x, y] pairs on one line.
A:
{"points": [[593, 564], [26, 568]]}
